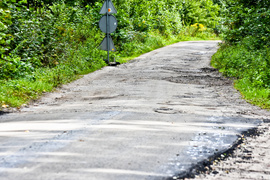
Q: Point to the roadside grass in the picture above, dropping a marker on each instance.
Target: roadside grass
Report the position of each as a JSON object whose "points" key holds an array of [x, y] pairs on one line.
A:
{"points": [[250, 67], [254, 95], [18, 92], [156, 40]]}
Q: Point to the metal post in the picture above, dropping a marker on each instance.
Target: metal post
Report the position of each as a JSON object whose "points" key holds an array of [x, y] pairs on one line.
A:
{"points": [[107, 24], [108, 51]]}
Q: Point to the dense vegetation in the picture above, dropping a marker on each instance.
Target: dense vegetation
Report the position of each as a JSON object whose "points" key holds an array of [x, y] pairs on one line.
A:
{"points": [[245, 54], [44, 44]]}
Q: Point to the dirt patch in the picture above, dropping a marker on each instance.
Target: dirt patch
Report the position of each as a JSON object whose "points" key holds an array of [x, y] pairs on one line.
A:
{"points": [[208, 80], [203, 76]]}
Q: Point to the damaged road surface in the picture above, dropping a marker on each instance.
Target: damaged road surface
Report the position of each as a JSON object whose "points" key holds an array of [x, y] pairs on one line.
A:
{"points": [[157, 117]]}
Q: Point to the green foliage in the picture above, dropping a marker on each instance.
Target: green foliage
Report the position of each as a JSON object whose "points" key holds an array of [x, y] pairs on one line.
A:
{"points": [[201, 11], [166, 18], [255, 95], [197, 31], [5, 37], [14, 67], [251, 69], [247, 20], [246, 54], [238, 61]]}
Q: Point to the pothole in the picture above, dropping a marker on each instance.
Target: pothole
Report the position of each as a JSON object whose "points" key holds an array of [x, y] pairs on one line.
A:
{"points": [[180, 70], [166, 110], [207, 69], [200, 80], [183, 97], [191, 59], [199, 53]]}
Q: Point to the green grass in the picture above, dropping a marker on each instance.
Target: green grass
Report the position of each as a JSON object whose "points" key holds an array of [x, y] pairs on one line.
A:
{"points": [[254, 95], [251, 69], [15, 93], [155, 40]]}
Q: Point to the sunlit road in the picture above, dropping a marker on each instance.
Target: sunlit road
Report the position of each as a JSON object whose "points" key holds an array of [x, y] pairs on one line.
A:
{"points": [[153, 118]]}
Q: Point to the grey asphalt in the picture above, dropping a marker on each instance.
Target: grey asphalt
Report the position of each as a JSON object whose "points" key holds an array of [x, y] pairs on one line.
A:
{"points": [[153, 118]]}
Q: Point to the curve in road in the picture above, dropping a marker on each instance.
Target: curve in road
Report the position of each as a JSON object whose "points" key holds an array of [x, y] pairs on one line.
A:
{"points": [[153, 118]]}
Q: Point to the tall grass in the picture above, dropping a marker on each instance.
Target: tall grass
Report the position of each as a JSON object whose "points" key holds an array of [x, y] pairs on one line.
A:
{"points": [[250, 67]]}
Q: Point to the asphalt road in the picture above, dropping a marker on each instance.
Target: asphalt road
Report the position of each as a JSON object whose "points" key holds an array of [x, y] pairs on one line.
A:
{"points": [[156, 117]]}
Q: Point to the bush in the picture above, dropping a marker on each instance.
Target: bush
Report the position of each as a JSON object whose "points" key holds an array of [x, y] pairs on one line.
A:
{"points": [[247, 20], [240, 62]]}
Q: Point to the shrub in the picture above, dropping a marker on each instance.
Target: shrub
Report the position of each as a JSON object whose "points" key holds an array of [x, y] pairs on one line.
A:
{"points": [[247, 20]]}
